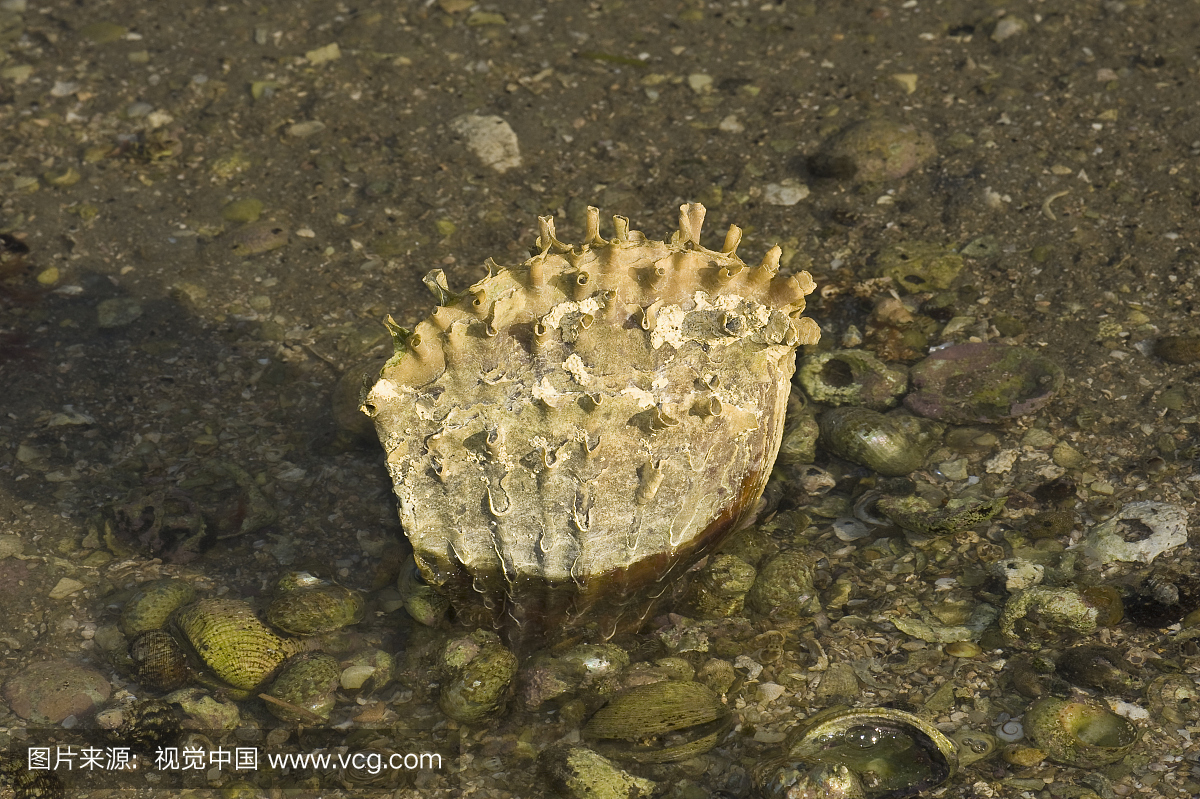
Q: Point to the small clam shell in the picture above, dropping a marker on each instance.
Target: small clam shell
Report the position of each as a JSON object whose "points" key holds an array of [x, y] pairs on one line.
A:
{"points": [[892, 444], [662, 722], [312, 611], [159, 662], [229, 640], [305, 687], [153, 604], [896, 754], [1084, 734]]}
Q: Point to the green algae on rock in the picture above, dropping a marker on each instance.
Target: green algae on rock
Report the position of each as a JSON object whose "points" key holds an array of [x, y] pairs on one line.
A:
{"points": [[982, 382], [479, 674], [851, 377], [918, 266]]}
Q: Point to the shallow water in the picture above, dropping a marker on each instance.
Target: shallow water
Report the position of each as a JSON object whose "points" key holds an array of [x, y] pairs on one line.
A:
{"points": [[1065, 174]]}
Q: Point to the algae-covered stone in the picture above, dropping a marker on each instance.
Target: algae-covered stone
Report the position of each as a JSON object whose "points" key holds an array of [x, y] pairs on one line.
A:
{"points": [[851, 377], [784, 587], [719, 590], [873, 150], [580, 773], [209, 712], [919, 266], [838, 683], [480, 671], [919, 515], [305, 687], [1057, 607], [982, 382]]}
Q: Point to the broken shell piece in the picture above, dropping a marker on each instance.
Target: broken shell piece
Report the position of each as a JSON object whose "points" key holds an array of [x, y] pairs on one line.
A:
{"points": [[585, 425], [1140, 532]]}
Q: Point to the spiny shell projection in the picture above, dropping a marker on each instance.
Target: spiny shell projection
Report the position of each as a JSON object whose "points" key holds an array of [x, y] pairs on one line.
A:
{"points": [[591, 421]]}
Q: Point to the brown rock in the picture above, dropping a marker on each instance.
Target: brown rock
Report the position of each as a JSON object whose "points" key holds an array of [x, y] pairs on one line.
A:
{"points": [[48, 692]]}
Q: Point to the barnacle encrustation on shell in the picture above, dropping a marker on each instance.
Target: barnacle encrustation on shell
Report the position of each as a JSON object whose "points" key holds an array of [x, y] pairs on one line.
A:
{"points": [[575, 431]]}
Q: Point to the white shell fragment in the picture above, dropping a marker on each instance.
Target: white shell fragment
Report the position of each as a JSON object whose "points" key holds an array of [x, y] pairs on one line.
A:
{"points": [[1140, 532], [591, 421], [491, 139]]}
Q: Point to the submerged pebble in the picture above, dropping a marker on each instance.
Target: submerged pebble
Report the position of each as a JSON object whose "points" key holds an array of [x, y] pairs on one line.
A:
{"points": [[51, 690], [982, 382], [1178, 349], [491, 139], [872, 151], [580, 773], [117, 312]]}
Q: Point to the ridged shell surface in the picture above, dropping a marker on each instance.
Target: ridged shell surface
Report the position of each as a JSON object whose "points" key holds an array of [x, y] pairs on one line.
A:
{"points": [[229, 640], [590, 422]]}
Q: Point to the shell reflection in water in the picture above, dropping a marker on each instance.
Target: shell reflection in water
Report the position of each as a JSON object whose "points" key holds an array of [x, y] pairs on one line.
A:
{"points": [[573, 432], [891, 754]]}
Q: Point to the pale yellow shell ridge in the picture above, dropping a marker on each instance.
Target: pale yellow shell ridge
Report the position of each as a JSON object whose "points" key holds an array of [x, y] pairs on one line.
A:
{"points": [[592, 417]]}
